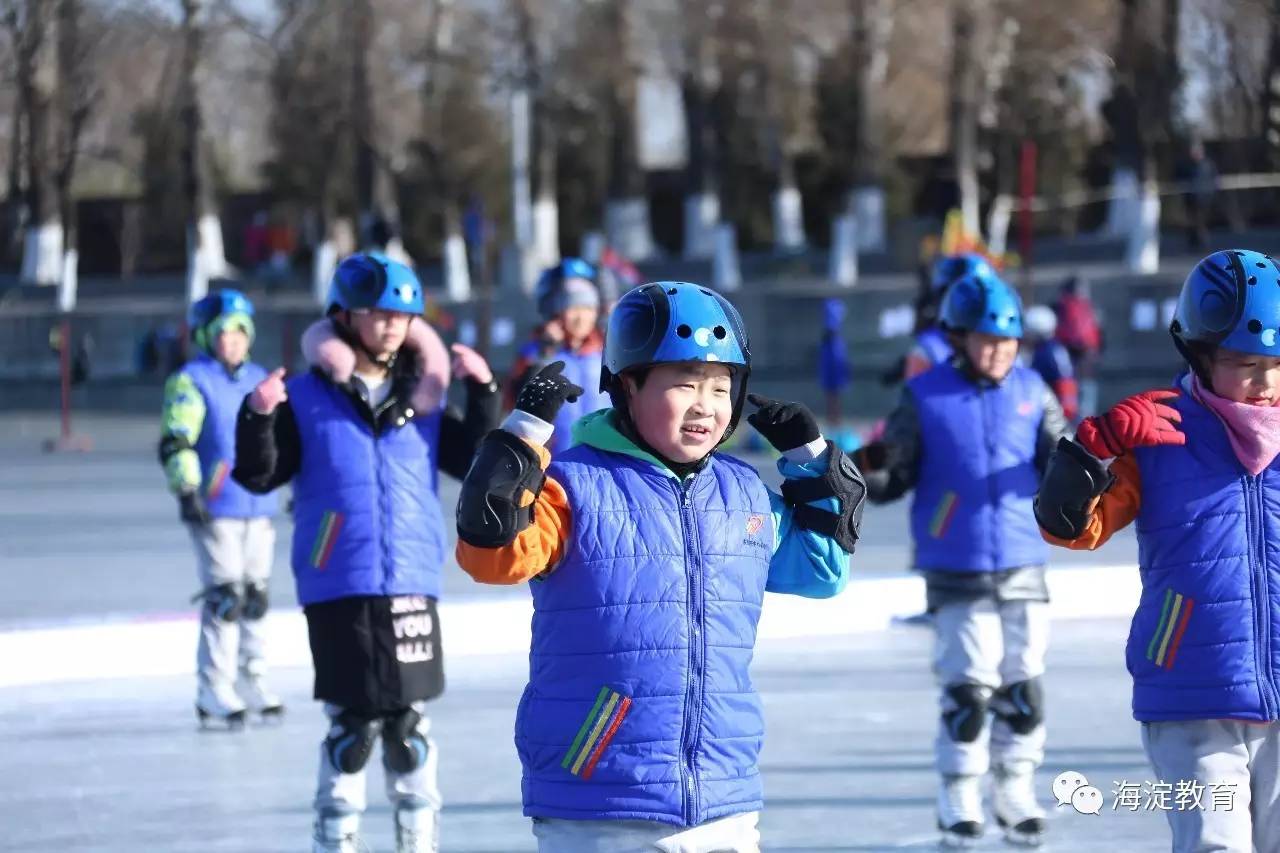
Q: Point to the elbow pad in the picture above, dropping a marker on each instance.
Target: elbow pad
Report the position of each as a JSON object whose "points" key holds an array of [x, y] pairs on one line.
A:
{"points": [[172, 444], [843, 481], [1073, 479], [499, 491]]}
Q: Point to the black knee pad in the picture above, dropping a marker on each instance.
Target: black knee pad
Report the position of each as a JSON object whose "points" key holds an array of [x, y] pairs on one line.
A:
{"points": [[404, 749], [350, 741], [1021, 705], [966, 718], [255, 603], [224, 602]]}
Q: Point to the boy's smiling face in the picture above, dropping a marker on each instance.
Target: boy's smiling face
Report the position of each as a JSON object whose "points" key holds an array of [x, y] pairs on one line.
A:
{"points": [[682, 410]]}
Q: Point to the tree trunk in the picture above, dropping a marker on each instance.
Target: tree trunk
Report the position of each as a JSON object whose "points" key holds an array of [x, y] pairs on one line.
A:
{"points": [[1268, 154], [965, 87], [42, 256], [702, 201], [205, 256], [373, 219], [627, 207]]}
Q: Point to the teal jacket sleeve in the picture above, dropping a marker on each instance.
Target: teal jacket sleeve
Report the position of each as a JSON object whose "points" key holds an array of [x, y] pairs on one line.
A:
{"points": [[804, 562]]}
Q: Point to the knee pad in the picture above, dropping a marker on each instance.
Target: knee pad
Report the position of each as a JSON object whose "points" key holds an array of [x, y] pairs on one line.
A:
{"points": [[1021, 705], [350, 741], [255, 603], [968, 712], [404, 748], [224, 602]]}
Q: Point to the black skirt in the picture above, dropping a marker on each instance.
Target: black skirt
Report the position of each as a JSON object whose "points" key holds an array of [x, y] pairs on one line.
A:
{"points": [[376, 654]]}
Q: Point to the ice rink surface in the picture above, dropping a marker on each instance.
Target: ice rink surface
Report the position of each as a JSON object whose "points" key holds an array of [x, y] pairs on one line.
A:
{"points": [[119, 765]]}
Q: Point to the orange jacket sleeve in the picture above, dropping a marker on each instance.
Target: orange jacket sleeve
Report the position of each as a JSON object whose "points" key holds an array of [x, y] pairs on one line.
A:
{"points": [[536, 549], [1114, 510]]}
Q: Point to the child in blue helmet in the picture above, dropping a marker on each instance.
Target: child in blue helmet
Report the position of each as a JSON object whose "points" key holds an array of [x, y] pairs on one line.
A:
{"points": [[971, 436], [231, 528], [568, 301], [932, 345], [1195, 468], [362, 436], [649, 554]]}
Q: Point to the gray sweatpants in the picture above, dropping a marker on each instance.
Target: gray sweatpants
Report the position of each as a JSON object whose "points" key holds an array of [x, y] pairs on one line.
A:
{"points": [[992, 644], [1235, 768], [236, 551]]}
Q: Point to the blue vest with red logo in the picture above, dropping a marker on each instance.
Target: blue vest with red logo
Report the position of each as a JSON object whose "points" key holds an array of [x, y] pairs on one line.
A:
{"points": [[366, 513], [640, 705], [972, 509], [1205, 640], [216, 447]]}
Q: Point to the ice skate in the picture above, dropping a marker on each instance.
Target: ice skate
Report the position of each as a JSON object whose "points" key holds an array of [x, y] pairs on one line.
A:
{"points": [[417, 830], [1013, 800], [960, 811], [219, 707], [338, 833], [260, 699]]}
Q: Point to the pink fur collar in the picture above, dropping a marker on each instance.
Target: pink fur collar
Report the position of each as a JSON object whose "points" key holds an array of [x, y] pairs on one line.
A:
{"points": [[322, 348]]}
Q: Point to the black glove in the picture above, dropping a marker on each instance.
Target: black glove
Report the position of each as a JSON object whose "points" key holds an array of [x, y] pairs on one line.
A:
{"points": [[784, 425], [548, 390], [191, 509]]}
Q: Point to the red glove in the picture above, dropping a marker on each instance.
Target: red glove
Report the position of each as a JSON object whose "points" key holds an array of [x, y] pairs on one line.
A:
{"points": [[1137, 421]]}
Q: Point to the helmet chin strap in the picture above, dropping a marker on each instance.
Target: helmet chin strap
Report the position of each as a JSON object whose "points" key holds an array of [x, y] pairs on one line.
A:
{"points": [[349, 336]]}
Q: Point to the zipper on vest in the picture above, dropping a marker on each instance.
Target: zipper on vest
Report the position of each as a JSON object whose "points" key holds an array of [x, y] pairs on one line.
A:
{"points": [[1255, 515], [382, 518], [693, 689]]}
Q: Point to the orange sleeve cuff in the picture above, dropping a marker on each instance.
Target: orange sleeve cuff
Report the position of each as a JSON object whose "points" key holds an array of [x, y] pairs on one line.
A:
{"points": [[1112, 511], [536, 549]]}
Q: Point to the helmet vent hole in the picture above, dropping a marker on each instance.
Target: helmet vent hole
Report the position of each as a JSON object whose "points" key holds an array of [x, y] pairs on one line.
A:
{"points": [[991, 314], [1253, 279], [1260, 265], [719, 332], [683, 330], [707, 292], [671, 291], [1255, 327]]}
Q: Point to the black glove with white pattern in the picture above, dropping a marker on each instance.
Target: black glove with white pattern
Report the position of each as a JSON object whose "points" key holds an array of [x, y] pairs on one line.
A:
{"points": [[548, 390]]}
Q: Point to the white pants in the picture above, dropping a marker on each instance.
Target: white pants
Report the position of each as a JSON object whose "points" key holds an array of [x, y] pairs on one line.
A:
{"points": [[1220, 754], [345, 793], [734, 834], [993, 645], [237, 551]]}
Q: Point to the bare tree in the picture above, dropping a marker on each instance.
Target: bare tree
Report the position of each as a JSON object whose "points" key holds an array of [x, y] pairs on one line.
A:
{"points": [[627, 207], [206, 257], [966, 92], [38, 79]]}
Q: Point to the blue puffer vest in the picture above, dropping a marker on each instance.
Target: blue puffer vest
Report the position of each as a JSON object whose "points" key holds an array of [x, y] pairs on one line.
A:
{"points": [[639, 704], [933, 343], [1205, 640], [972, 507], [216, 447], [365, 507]]}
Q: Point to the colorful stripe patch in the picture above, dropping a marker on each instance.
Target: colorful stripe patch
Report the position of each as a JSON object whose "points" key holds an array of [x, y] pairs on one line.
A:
{"points": [[1174, 616], [217, 479], [596, 732], [323, 547], [943, 514]]}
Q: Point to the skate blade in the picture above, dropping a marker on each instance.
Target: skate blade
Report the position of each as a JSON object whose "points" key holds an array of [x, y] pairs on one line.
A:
{"points": [[233, 722], [1019, 838], [272, 715]]}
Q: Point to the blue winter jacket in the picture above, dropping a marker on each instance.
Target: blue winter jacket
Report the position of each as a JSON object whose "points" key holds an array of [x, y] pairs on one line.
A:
{"points": [[1205, 640], [640, 704], [367, 518], [972, 509], [216, 446]]}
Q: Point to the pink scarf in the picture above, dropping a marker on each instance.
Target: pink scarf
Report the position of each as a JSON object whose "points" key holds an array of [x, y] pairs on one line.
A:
{"points": [[1254, 431]]}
